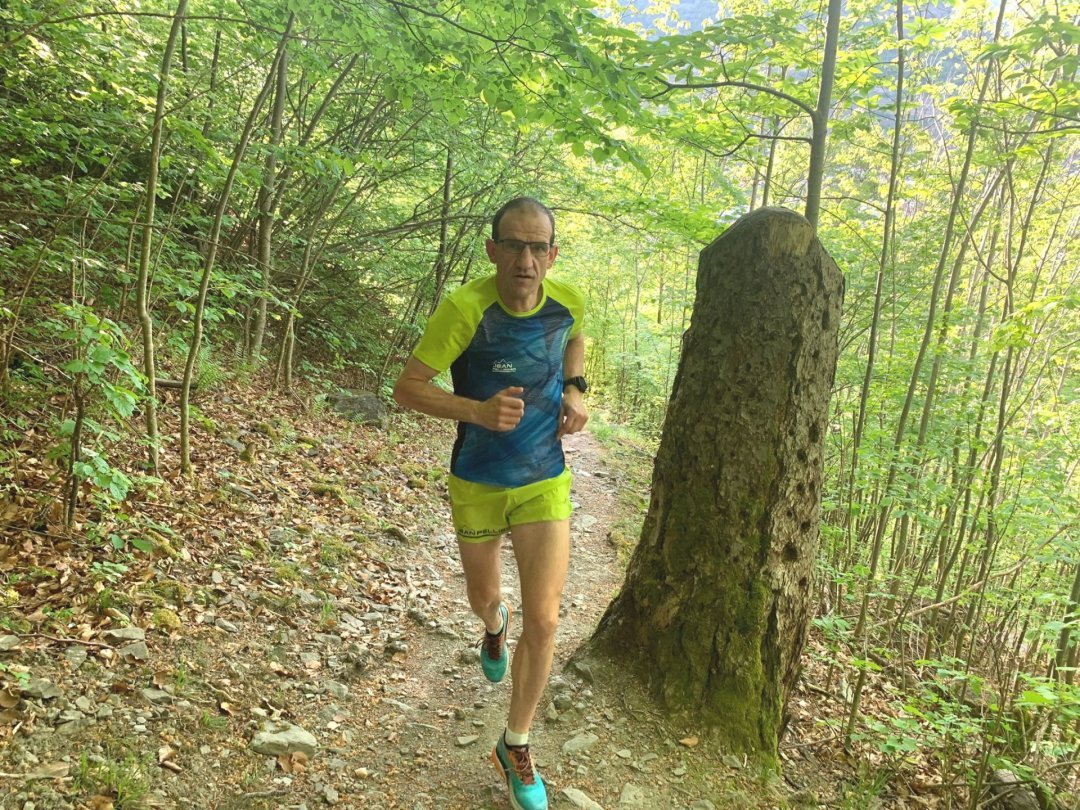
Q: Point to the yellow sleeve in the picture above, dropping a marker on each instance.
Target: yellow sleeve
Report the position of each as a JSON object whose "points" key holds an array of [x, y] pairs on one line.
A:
{"points": [[449, 332]]}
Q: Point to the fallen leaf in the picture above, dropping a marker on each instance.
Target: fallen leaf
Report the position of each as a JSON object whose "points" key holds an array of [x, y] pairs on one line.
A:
{"points": [[227, 708], [100, 802], [689, 742], [9, 699], [165, 753]]}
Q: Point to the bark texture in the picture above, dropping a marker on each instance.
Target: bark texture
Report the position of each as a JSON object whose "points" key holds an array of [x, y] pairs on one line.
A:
{"points": [[717, 596]]}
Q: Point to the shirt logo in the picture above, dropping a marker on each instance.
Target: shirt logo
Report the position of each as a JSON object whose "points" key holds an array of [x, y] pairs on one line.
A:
{"points": [[503, 367]]}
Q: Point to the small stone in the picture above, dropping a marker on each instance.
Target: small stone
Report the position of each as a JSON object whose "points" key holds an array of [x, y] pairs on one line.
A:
{"points": [[586, 522], [307, 598], [42, 689], [280, 536], [329, 714], [552, 714], [156, 696], [226, 625], [582, 742], [632, 797], [460, 713], [75, 655], [578, 799], [138, 651], [680, 771], [74, 726], [275, 739], [84, 704], [217, 578], [584, 670], [562, 702], [470, 655], [559, 684], [330, 796], [404, 708], [623, 753], [9, 643], [732, 761], [337, 690], [395, 647], [467, 740], [418, 616], [116, 635], [702, 804]]}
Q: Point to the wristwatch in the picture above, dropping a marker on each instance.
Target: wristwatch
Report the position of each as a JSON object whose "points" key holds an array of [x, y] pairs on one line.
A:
{"points": [[578, 383]]}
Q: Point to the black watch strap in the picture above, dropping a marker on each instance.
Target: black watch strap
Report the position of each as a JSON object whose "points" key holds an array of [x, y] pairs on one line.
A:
{"points": [[578, 383]]}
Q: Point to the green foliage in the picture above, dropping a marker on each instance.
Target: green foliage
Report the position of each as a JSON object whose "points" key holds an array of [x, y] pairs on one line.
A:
{"points": [[125, 776], [562, 101]]}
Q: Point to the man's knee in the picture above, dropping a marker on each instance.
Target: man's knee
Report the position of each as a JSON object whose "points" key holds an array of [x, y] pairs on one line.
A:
{"points": [[539, 626], [483, 596]]}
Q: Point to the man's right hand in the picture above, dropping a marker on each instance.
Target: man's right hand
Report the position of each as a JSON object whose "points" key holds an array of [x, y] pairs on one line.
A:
{"points": [[502, 411]]}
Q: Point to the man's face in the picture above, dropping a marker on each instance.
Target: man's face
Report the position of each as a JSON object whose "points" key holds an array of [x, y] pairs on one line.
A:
{"points": [[518, 276]]}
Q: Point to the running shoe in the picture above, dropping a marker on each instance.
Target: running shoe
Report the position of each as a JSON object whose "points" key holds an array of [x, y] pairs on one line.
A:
{"points": [[493, 653], [514, 763]]}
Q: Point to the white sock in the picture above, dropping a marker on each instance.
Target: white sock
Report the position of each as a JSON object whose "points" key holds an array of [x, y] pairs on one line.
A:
{"points": [[513, 738], [498, 629]]}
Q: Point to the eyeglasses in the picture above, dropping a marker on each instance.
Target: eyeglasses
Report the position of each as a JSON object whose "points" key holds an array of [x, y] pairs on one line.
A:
{"points": [[539, 249]]}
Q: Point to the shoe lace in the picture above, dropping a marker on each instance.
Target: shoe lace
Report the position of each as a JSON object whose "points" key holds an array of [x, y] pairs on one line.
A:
{"points": [[492, 644], [521, 759]]}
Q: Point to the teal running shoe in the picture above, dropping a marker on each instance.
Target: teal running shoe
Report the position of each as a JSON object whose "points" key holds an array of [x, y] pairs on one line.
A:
{"points": [[493, 653], [514, 763]]}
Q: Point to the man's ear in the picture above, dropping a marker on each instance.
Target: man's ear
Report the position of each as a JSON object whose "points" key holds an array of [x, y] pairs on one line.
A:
{"points": [[490, 247]]}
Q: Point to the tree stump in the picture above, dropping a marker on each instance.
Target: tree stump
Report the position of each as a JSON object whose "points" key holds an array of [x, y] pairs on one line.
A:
{"points": [[717, 595]]}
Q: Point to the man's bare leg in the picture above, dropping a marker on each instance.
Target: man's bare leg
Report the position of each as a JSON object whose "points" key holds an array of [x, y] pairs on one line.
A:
{"points": [[543, 555], [483, 570]]}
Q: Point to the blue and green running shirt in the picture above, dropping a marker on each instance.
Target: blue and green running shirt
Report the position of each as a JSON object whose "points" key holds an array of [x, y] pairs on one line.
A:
{"points": [[488, 348]]}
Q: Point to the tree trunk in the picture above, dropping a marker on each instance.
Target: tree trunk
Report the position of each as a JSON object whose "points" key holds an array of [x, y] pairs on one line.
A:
{"points": [[142, 294], [717, 595], [266, 201], [820, 118]]}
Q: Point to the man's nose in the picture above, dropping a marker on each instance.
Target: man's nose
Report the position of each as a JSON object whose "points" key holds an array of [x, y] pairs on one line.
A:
{"points": [[526, 257]]}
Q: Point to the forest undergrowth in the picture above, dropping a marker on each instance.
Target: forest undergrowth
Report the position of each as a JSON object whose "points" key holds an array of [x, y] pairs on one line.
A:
{"points": [[301, 576]]}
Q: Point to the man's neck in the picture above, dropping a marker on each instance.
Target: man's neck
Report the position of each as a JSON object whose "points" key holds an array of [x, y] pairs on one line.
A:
{"points": [[521, 304]]}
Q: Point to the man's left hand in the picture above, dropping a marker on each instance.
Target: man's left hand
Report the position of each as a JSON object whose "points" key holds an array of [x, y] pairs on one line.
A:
{"points": [[572, 415]]}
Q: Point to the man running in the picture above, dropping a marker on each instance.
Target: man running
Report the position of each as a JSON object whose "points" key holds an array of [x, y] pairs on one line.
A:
{"points": [[516, 353]]}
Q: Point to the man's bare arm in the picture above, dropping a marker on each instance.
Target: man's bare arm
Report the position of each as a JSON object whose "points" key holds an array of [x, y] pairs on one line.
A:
{"points": [[414, 390], [573, 414]]}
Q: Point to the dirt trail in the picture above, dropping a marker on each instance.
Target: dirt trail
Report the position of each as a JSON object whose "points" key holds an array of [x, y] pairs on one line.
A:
{"points": [[440, 716]]}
